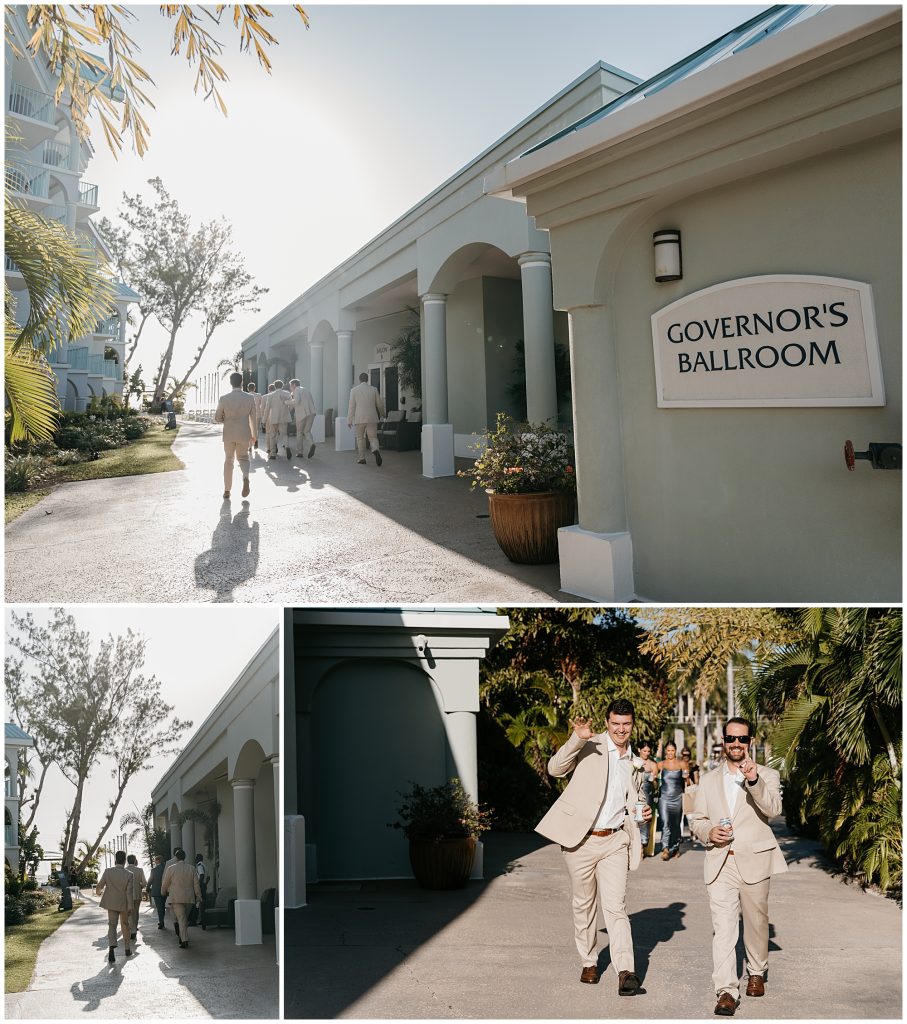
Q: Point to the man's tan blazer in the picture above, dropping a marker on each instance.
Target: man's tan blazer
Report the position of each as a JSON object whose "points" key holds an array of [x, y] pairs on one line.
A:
{"points": [[303, 402], [366, 404], [276, 408], [139, 881], [236, 411], [755, 847], [180, 883], [573, 813], [115, 889]]}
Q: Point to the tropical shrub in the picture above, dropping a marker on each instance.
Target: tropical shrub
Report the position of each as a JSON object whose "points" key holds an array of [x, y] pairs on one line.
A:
{"points": [[24, 472], [523, 458], [441, 812]]}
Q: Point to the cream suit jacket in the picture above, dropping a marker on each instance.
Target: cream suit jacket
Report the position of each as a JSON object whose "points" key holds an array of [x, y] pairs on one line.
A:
{"points": [[275, 408], [180, 883], [115, 889], [303, 403], [366, 404], [139, 881], [236, 411], [573, 813], [756, 850]]}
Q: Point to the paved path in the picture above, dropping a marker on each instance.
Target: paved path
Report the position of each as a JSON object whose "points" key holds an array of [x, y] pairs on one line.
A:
{"points": [[322, 530], [212, 978], [504, 948]]}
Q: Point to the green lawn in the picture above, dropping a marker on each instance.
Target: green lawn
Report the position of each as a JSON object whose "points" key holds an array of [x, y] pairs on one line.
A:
{"points": [[150, 454], [22, 942]]}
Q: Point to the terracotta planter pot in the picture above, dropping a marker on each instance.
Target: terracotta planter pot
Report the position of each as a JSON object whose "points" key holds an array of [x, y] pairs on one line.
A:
{"points": [[526, 525], [443, 865]]}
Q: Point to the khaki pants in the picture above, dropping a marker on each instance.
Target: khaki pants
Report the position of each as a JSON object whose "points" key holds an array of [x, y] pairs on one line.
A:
{"points": [[181, 915], [729, 896], [361, 430], [239, 451], [277, 437], [304, 439], [598, 872], [114, 918], [134, 918]]}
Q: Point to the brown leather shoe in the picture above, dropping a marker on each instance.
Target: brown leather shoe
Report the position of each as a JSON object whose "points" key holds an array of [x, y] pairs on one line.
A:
{"points": [[756, 985], [726, 1005], [589, 975], [627, 983]]}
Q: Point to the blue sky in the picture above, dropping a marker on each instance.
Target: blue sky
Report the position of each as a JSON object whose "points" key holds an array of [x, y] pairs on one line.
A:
{"points": [[365, 113]]}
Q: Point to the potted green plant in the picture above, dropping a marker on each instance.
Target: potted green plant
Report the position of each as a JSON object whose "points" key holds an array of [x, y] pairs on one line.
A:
{"points": [[527, 470], [442, 825]]}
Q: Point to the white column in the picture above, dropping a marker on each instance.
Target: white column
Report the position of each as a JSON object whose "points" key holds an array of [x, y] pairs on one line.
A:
{"points": [[437, 433], [317, 388], [188, 835], [247, 906], [596, 556], [463, 759], [344, 438], [176, 837], [538, 337]]}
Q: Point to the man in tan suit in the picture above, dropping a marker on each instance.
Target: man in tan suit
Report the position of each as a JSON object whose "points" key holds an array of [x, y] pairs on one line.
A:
{"points": [[180, 882], [303, 405], [739, 861], [594, 822], [256, 398], [115, 889], [236, 411], [276, 410], [139, 881], [366, 408]]}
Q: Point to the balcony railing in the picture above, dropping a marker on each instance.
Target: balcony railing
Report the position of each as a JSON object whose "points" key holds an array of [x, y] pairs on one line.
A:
{"points": [[57, 355], [78, 358], [96, 365], [11, 268], [27, 102], [109, 327], [112, 369], [27, 178], [58, 154], [88, 194]]}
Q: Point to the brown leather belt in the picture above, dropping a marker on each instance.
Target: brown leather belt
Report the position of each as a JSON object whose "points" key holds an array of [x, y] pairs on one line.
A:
{"points": [[730, 853], [603, 831]]}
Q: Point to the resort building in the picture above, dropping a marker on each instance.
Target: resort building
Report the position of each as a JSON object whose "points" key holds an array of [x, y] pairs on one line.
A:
{"points": [[220, 797], [376, 699], [45, 161], [14, 742], [720, 248]]}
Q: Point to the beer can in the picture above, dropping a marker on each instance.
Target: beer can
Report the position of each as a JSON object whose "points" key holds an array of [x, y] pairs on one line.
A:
{"points": [[640, 805], [726, 823]]}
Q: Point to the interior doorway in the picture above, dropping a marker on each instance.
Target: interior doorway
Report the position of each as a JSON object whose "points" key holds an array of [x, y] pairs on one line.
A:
{"points": [[385, 377]]}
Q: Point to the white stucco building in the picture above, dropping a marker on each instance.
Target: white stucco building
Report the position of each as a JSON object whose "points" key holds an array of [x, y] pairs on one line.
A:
{"points": [[232, 763], [375, 699], [775, 153], [45, 161], [14, 742]]}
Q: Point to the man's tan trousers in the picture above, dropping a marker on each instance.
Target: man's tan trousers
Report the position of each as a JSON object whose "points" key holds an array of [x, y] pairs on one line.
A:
{"points": [[729, 896], [361, 430], [115, 917], [598, 873]]}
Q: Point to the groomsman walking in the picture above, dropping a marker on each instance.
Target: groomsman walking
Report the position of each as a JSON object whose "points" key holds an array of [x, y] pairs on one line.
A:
{"points": [[115, 889]]}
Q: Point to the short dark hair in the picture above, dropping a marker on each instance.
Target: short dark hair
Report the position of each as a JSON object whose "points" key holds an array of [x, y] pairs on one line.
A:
{"points": [[198, 857], [294, 381], [235, 380], [621, 706], [740, 721], [132, 859], [120, 856], [180, 855], [251, 386], [363, 376], [278, 384], [157, 856]]}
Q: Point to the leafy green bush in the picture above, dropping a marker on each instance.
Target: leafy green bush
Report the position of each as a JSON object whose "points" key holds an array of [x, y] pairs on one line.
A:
{"points": [[440, 812], [67, 457], [24, 472], [135, 427]]}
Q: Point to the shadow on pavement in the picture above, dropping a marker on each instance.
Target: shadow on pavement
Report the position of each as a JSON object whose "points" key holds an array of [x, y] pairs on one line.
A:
{"points": [[650, 928], [352, 934], [232, 558]]}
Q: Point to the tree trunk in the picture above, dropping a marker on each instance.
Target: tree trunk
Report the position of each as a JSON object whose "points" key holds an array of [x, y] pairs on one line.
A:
{"points": [[164, 371], [198, 356], [135, 341], [37, 796], [72, 838]]}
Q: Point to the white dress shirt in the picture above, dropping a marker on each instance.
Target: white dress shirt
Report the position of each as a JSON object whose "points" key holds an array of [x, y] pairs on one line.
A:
{"points": [[614, 806], [733, 786]]}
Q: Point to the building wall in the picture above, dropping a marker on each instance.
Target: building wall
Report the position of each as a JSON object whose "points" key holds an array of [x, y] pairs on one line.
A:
{"points": [[503, 307], [466, 379], [744, 500]]}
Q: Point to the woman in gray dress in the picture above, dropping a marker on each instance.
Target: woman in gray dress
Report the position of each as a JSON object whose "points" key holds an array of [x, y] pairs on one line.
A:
{"points": [[670, 801], [650, 772]]}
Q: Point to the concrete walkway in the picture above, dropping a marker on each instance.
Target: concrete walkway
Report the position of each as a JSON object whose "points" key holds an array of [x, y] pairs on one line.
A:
{"points": [[322, 530], [504, 948], [212, 978]]}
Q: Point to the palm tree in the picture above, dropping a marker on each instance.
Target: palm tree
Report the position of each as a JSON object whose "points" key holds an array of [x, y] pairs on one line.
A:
{"points": [[233, 365], [67, 295], [835, 701]]}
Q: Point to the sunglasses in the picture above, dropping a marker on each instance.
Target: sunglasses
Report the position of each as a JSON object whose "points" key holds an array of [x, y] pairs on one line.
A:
{"points": [[737, 739]]}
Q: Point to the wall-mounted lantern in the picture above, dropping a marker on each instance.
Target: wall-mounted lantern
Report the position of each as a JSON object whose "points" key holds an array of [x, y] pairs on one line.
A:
{"points": [[668, 258]]}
